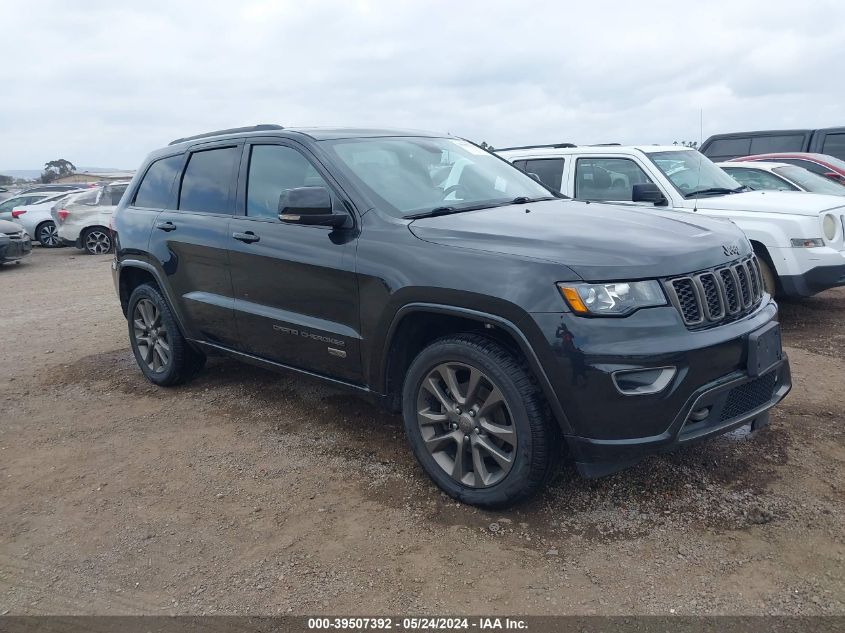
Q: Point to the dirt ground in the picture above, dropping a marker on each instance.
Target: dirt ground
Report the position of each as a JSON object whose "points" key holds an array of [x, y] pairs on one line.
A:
{"points": [[253, 492]]}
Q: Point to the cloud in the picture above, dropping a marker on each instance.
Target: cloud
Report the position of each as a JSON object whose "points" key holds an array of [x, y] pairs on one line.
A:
{"points": [[105, 83]]}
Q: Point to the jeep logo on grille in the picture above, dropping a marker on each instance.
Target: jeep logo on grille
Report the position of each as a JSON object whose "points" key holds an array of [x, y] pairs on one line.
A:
{"points": [[730, 249]]}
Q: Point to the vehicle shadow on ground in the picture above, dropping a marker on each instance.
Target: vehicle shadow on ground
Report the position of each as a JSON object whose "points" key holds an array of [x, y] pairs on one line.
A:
{"points": [[719, 484]]}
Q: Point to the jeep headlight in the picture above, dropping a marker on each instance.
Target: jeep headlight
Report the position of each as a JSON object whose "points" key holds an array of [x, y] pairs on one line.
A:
{"points": [[612, 299], [829, 227]]}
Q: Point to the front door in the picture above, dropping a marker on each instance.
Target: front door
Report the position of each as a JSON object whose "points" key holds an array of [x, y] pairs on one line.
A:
{"points": [[295, 288]]}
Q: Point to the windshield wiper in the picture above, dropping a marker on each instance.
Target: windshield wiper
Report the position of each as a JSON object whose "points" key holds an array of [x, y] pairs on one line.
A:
{"points": [[448, 210], [433, 213], [712, 191]]}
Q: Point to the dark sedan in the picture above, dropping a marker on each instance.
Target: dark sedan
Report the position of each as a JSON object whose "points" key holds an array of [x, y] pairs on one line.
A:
{"points": [[14, 242]]}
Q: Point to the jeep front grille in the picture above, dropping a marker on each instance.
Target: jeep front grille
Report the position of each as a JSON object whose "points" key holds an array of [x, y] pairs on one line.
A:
{"points": [[718, 294]]}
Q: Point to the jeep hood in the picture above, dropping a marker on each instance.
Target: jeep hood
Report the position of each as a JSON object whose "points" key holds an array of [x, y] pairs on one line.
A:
{"points": [[598, 242], [791, 202]]}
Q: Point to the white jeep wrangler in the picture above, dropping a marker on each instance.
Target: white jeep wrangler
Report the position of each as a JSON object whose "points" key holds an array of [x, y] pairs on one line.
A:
{"points": [[799, 237]]}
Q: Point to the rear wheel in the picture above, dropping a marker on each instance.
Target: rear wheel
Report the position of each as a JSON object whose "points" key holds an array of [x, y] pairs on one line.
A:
{"points": [[477, 422], [162, 353], [47, 234], [96, 241]]}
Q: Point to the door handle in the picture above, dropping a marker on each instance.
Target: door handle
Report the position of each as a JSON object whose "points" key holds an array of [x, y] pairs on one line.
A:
{"points": [[166, 226], [247, 237]]}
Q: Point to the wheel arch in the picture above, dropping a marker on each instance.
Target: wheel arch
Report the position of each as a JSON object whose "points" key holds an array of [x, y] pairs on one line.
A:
{"points": [[416, 325]]}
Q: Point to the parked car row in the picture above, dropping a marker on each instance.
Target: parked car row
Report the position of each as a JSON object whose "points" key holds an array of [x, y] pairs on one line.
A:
{"points": [[798, 237], [77, 217]]}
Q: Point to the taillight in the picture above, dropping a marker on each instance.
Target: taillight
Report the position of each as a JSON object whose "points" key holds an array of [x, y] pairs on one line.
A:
{"points": [[63, 213], [18, 213]]}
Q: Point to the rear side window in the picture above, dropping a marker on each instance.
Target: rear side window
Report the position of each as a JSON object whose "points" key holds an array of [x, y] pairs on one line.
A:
{"points": [[156, 187], [770, 144], [759, 179], [723, 148], [834, 145], [548, 170], [207, 181], [806, 164]]}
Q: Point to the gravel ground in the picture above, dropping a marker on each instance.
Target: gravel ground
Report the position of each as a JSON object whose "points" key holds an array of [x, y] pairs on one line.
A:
{"points": [[248, 492]]}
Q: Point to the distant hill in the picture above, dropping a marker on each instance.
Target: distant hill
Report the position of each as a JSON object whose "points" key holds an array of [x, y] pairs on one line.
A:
{"points": [[32, 174]]}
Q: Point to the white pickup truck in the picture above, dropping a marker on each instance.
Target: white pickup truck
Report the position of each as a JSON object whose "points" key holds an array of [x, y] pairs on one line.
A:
{"points": [[799, 237]]}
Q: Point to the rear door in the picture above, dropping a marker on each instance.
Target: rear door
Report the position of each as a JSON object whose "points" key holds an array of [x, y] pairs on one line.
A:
{"points": [[295, 288], [191, 242]]}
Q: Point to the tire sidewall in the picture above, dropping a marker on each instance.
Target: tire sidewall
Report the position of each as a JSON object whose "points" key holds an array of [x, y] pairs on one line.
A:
{"points": [[169, 375], [768, 276], [518, 477]]}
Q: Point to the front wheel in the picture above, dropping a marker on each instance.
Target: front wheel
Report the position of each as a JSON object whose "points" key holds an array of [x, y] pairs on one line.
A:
{"points": [[162, 353], [48, 235], [477, 423], [769, 279], [96, 241]]}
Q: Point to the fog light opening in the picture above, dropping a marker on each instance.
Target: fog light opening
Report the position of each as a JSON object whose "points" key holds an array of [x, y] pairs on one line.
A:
{"points": [[639, 382]]}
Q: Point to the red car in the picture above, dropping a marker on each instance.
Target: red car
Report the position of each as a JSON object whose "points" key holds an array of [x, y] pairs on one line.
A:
{"points": [[822, 164]]}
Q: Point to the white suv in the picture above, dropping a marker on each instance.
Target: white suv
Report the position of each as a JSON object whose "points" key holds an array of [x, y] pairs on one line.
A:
{"points": [[84, 218], [798, 236]]}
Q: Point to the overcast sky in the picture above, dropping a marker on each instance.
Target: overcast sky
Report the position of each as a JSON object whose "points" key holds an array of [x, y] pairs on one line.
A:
{"points": [[103, 83]]}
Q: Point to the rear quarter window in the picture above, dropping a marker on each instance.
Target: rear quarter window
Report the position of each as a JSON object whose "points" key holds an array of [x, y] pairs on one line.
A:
{"points": [[156, 189]]}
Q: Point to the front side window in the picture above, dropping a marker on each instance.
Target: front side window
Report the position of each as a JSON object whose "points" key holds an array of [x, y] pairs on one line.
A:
{"points": [[607, 178], [548, 170], [810, 181], [411, 175], [759, 179], [207, 180], [274, 169], [693, 174], [155, 190]]}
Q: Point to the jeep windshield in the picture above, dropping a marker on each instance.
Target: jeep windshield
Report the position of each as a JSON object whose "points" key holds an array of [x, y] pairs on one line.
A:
{"points": [[694, 175], [420, 176]]}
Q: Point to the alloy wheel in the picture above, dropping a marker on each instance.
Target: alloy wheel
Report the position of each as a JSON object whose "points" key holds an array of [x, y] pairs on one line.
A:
{"points": [[466, 424], [151, 336], [97, 242], [49, 235]]}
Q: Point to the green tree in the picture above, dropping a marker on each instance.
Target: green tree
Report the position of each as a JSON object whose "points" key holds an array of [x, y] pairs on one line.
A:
{"points": [[692, 144], [56, 169]]}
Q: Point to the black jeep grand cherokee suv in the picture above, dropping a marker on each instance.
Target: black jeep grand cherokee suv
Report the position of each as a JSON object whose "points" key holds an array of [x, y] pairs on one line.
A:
{"points": [[504, 321]]}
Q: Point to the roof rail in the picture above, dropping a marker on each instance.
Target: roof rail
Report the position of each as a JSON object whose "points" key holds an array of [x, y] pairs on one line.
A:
{"points": [[232, 130], [606, 145], [553, 146]]}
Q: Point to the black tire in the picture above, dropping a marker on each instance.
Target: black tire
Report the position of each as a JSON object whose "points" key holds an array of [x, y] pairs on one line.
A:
{"points": [[769, 277], [183, 361], [96, 240], [536, 452], [47, 235]]}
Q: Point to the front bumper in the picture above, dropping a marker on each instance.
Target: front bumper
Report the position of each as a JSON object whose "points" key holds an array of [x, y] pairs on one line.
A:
{"points": [[734, 401], [11, 250], [813, 281], [607, 429]]}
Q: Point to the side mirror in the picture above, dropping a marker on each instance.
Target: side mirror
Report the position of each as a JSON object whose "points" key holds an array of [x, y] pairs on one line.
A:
{"points": [[311, 206], [647, 192]]}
